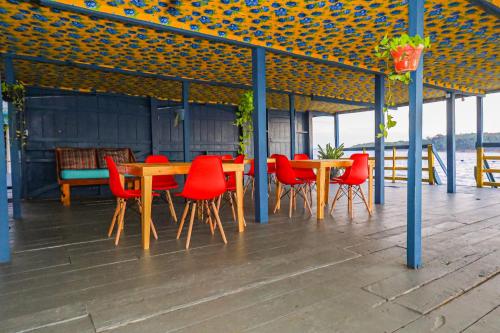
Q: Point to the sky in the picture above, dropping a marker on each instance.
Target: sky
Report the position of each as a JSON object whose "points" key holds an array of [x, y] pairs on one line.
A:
{"points": [[358, 128]]}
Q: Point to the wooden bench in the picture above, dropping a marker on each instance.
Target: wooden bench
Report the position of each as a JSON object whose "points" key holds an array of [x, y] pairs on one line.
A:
{"points": [[85, 167]]}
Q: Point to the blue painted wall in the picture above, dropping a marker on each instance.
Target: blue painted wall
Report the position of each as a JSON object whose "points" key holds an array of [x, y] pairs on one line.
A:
{"points": [[58, 118]]}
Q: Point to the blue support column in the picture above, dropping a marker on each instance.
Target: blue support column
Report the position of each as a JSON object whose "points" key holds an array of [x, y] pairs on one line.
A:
{"points": [[155, 126], [379, 142], [479, 121], [259, 134], [310, 149], [4, 211], [291, 104], [414, 188], [186, 123], [15, 146], [337, 131], [450, 143]]}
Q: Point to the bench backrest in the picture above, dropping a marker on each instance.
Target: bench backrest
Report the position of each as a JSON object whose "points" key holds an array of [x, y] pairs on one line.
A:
{"points": [[73, 158]]}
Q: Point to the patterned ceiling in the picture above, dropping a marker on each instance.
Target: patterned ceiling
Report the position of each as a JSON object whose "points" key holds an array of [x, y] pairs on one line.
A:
{"points": [[464, 53]]}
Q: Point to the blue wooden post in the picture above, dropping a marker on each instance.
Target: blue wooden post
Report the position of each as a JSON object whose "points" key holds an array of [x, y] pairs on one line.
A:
{"points": [[259, 133], [414, 188], [4, 211], [15, 149], [186, 124], [479, 121], [450, 143], [291, 104], [379, 141], [337, 131], [155, 126], [310, 149]]}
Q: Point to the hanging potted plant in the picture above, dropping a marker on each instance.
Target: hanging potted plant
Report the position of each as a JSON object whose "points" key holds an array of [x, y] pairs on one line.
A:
{"points": [[405, 52], [244, 120], [15, 93]]}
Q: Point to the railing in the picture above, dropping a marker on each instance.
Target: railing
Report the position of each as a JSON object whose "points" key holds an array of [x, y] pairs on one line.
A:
{"points": [[430, 155], [483, 166]]}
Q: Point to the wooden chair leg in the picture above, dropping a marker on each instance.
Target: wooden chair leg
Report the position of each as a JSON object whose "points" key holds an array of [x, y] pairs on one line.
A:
{"points": [[209, 217], [306, 200], [364, 200], [291, 201], [121, 221], [171, 206], [217, 218], [236, 202], [115, 216], [219, 199], [183, 219], [335, 199], [232, 206], [349, 202], [190, 229]]}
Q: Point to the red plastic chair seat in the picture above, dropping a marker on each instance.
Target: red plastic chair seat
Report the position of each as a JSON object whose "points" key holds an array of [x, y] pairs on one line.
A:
{"points": [[307, 175], [284, 171], [164, 182], [358, 171], [205, 180]]}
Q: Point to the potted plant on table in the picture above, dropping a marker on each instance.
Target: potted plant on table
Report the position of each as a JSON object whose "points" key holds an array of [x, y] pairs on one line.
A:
{"points": [[331, 153], [405, 52]]}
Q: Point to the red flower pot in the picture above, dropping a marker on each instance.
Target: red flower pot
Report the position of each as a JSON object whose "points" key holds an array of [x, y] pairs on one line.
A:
{"points": [[406, 58]]}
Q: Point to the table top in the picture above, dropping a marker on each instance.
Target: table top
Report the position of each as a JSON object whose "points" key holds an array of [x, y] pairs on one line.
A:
{"points": [[170, 168]]}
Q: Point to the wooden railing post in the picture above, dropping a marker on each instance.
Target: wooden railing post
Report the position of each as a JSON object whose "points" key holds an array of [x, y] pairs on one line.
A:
{"points": [[430, 164], [393, 164], [479, 166]]}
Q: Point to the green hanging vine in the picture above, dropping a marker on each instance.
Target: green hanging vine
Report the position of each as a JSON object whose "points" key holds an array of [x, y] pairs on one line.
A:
{"points": [[15, 93], [400, 50], [244, 120]]}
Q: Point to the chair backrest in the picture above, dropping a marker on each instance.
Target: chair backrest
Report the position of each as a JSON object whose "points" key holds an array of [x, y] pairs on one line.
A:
{"points": [[115, 184], [357, 173], [251, 171], [301, 172], [231, 181], [227, 157], [163, 179], [284, 170], [298, 157], [205, 179]]}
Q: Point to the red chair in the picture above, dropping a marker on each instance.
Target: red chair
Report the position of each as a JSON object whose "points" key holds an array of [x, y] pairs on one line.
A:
{"points": [[231, 187], [350, 182], [250, 178], [227, 157], [286, 176], [307, 175], [122, 196], [205, 182], [164, 183]]}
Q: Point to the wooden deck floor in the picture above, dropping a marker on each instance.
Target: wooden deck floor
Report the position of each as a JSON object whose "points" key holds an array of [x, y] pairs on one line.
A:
{"points": [[292, 275]]}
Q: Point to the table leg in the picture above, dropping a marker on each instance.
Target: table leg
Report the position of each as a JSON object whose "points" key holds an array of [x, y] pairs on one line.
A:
{"points": [[239, 198], [320, 184], [278, 195], [370, 187], [146, 182], [122, 179], [327, 185]]}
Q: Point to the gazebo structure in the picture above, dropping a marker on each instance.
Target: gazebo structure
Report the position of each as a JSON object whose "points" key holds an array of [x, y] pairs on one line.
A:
{"points": [[306, 57]]}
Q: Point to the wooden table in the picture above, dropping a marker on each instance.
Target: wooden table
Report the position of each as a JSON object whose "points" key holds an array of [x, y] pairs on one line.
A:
{"points": [[323, 168], [146, 171]]}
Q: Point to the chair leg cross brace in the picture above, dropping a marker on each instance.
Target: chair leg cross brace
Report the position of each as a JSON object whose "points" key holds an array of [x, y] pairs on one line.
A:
{"points": [[119, 218], [292, 192], [350, 191], [210, 208]]}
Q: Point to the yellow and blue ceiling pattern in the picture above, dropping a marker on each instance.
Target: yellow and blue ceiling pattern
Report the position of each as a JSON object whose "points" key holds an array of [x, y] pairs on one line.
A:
{"points": [[89, 80], [29, 29], [464, 36]]}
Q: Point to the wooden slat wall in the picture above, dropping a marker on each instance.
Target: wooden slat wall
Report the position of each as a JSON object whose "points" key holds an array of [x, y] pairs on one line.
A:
{"points": [[58, 118]]}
